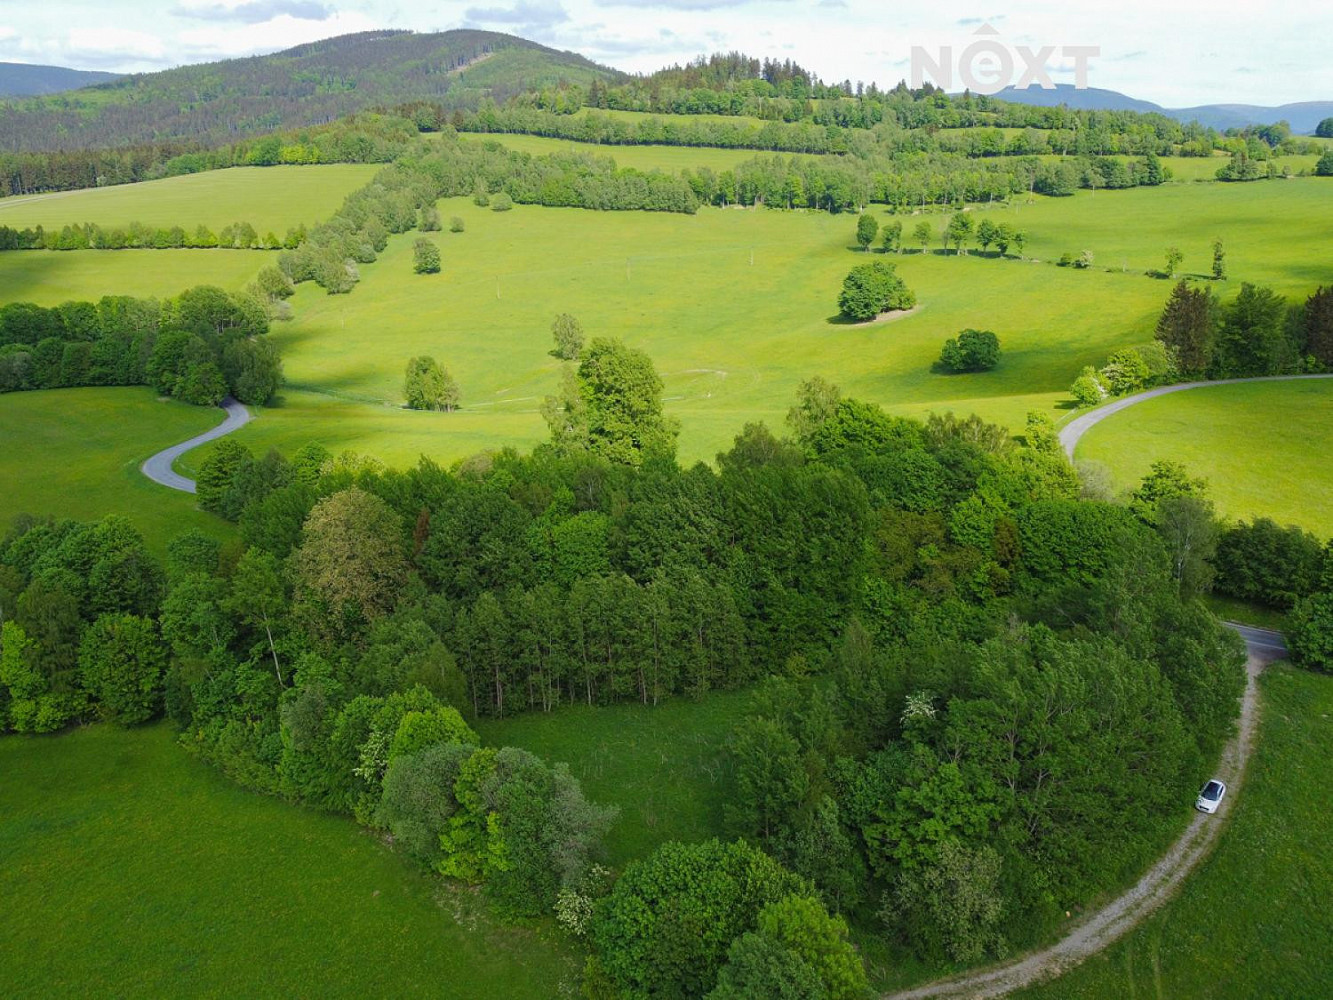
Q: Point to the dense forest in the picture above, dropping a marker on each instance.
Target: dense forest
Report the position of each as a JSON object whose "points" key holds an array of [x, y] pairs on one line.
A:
{"points": [[199, 347]]}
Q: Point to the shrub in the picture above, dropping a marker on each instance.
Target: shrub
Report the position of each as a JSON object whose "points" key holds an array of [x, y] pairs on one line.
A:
{"points": [[971, 351], [425, 257]]}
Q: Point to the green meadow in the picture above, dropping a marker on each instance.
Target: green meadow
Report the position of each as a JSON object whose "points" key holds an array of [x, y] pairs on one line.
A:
{"points": [[50, 277], [269, 198], [1257, 444], [130, 869], [735, 306], [663, 765], [670, 159], [1253, 920], [76, 453], [732, 338]]}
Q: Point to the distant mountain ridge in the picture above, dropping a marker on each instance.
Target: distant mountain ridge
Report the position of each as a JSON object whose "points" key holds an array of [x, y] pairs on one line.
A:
{"points": [[23, 80], [1303, 116], [310, 84]]}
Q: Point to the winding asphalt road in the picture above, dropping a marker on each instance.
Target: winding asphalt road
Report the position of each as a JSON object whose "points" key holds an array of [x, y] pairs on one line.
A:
{"points": [[1119, 916], [158, 468], [1072, 432]]}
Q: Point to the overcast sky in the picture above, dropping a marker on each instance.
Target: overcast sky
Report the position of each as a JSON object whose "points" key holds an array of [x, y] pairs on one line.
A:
{"points": [[1177, 54]]}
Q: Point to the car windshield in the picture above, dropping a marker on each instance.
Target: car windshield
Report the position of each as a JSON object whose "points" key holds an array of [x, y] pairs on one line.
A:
{"points": [[1211, 790]]}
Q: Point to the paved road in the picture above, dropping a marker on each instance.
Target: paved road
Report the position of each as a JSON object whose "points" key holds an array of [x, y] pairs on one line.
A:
{"points": [[1072, 432], [1119, 916], [158, 468]]}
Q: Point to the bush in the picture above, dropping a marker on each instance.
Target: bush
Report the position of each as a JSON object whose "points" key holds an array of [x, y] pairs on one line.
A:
{"points": [[1310, 632], [1268, 564], [1087, 389], [501, 203], [425, 257], [666, 927], [456, 225], [971, 351]]}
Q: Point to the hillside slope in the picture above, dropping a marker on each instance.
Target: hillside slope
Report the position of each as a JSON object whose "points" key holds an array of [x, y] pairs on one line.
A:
{"points": [[1302, 117], [307, 85], [22, 80]]}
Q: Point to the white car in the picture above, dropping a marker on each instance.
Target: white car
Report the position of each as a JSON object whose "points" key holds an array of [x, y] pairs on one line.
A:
{"points": [[1210, 796]]}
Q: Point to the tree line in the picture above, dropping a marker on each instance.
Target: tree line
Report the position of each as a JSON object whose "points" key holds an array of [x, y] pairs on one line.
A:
{"points": [[137, 236], [362, 138], [1198, 336], [199, 347]]}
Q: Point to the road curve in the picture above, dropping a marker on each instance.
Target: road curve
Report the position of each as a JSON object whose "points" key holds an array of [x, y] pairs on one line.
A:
{"points": [[1073, 432], [158, 468], [1119, 916]]}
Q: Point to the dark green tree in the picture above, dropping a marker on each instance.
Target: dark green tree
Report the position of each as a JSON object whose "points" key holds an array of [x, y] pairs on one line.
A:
{"points": [[971, 351], [867, 228]]}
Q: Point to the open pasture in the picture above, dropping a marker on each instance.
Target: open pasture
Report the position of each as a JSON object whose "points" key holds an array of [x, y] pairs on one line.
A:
{"points": [[130, 869], [269, 198], [76, 453], [669, 159], [732, 338], [50, 277], [1259, 446]]}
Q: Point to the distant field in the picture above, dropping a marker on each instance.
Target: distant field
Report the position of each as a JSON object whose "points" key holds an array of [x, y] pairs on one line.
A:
{"points": [[76, 453], [128, 869], [636, 116], [671, 159], [1253, 920], [733, 340], [1260, 446], [269, 198], [50, 277]]}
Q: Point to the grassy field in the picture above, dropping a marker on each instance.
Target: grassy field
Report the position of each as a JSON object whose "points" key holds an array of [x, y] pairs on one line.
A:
{"points": [[128, 869], [50, 277], [671, 159], [269, 198], [76, 453], [736, 344], [1253, 921], [1258, 445], [735, 306], [662, 765]]}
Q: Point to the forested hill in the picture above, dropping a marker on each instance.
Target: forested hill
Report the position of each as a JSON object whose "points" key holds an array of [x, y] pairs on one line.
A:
{"points": [[22, 80], [310, 84]]}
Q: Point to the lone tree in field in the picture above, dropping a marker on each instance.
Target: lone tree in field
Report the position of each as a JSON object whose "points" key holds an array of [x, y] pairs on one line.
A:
{"points": [[1324, 168], [1173, 259], [971, 351], [568, 334], [1324, 129], [922, 234], [425, 257], [871, 289], [867, 228], [429, 387], [1219, 261]]}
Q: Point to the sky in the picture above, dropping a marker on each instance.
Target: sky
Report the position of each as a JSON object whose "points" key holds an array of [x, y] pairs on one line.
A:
{"points": [[1176, 54]]}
